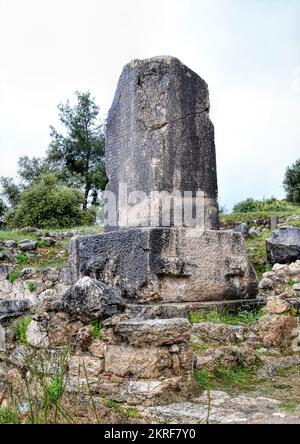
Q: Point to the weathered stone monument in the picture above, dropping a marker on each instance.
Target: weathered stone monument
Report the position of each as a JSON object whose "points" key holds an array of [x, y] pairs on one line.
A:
{"points": [[160, 139]]}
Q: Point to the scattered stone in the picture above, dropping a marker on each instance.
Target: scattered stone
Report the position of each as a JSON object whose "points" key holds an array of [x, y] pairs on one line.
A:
{"points": [[97, 348], [284, 245], [85, 366], [28, 245], [242, 228], [277, 330], [254, 232], [13, 309], [277, 307], [154, 332], [11, 244], [144, 363], [36, 335], [296, 287], [216, 333], [271, 365], [84, 338], [227, 356], [92, 299], [265, 283]]}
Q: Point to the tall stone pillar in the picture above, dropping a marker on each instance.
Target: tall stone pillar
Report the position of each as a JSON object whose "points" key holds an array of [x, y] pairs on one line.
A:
{"points": [[160, 139]]}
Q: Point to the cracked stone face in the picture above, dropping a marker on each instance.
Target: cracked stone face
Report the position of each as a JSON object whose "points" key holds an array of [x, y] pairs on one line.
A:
{"points": [[160, 137]]}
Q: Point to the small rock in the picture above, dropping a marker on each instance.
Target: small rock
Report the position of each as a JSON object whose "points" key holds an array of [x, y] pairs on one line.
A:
{"points": [[11, 244], [296, 287], [254, 232], [277, 330], [277, 306], [265, 284], [92, 299], [36, 335], [28, 245]]}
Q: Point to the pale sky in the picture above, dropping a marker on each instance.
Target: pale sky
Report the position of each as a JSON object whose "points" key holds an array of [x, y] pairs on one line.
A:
{"points": [[248, 51]]}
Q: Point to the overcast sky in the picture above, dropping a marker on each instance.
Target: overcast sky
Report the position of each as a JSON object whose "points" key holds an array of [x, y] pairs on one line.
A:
{"points": [[248, 51]]}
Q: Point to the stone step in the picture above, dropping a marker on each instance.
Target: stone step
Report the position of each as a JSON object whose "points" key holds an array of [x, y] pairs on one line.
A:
{"points": [[182, 309], [155, 332], [13, 308]]}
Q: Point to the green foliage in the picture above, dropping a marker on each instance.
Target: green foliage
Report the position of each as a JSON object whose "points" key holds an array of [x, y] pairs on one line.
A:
{"points": [[110, 403], [30, 170], [132, 413], [9, 416], [79, 154], [20, 328], [292, 182], [3, 208], [251, 205], [242, 317], [55, 389], [22, 259], [47, 204], [31, 286], [10, 191], [97, 328], [239, 377], [12, 276]]}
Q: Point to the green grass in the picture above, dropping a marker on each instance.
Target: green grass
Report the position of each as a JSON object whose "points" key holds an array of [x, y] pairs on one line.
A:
{"points": [[242, 317], [110, 403], [239, 377], [20, 328], [97, 328], [202, 347], [16, 235], [129, 412], [55, 389], [238, 217], [290, 406], [132, 413], [12, 276], [9, 416], [31, 286], [22, 259]]}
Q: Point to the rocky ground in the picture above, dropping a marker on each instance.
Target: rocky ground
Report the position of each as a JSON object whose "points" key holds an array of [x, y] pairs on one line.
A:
{"points": [[75, 368]]}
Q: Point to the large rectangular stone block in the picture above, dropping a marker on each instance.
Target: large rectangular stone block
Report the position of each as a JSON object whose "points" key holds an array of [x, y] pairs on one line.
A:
{"points": [[167, 264]]}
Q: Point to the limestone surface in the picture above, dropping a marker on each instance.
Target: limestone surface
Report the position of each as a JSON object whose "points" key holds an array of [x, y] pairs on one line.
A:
{"points": [[167, 264], [160, 137]]}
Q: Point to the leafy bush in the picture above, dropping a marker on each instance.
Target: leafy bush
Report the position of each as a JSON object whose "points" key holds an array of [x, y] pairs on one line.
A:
{"points": [[96, 328], [20, 328], [12, 276], [47, 204], [251, 205], [292, 182]]}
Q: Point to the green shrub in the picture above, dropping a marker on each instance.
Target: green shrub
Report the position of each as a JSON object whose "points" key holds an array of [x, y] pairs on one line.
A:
{"points": [[251, 205], [22, 259], [47, 204], [292, 182], [242, 317], [96, 328], [12, 276], [31, 286], [9, 416], [55, 389], [20, 328]]}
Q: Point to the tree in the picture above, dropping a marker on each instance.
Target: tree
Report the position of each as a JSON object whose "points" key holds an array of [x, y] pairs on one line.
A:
{"points": [[79, 153], [47, 204], [291, 182], [11, 192], [3, 209], [30, 169]]}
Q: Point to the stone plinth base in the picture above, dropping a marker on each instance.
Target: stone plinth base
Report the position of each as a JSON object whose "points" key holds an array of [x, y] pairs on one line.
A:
{"points": [[167, 264]]}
